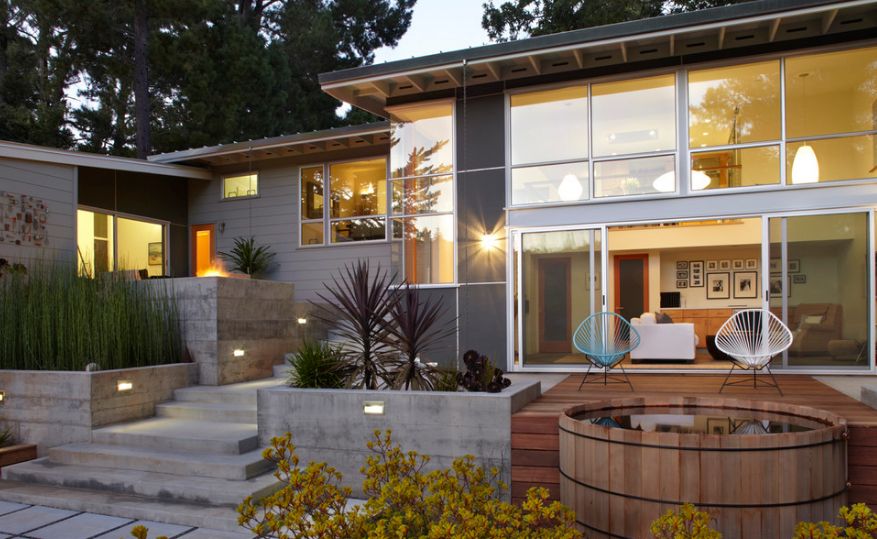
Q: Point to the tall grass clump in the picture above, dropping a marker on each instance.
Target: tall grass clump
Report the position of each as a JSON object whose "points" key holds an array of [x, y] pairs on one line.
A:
{"points": [[50, 319]]}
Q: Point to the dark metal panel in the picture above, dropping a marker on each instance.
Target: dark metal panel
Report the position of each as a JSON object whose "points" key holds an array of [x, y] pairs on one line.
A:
{"points": [[481, 132], [483, 321], [480, 203]]}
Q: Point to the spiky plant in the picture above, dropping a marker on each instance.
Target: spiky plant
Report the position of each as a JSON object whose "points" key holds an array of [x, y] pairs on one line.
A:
{"points": [[247, 257], [358, 303], [316, 365], [6, 437], [414, 327]]}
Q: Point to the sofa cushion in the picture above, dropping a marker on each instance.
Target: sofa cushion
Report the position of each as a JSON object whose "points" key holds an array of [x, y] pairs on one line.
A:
{"points": [[663, 318], [647, 319]]}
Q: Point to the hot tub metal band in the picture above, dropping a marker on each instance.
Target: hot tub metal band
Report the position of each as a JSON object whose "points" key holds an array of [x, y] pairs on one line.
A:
{"points": [[685, 448], [702, 504]]}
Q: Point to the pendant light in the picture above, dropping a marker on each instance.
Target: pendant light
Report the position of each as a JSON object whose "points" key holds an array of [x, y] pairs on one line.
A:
{"points": [[805, 166], [570, 188], [666, 182]]}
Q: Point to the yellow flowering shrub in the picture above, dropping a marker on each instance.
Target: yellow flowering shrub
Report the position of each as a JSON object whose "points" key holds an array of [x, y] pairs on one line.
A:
{"points": [[403, 500], [685, 523], [858, 522]]}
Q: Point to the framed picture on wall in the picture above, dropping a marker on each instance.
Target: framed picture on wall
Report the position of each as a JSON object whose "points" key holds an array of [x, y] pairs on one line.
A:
{"points": [[799, 278], [776, 285], [738, 264], [712, 265], [745, 284], [718, 285], [718, 425], [695, 274], [682, 264], [776, 265], [794, 266], [696, 282], [682, 275], [724, 264], [155, 253], [682, 284], [752, 263]]}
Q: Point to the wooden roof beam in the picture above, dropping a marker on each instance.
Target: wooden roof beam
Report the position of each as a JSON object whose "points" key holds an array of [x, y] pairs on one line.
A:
{"points": [[721, 41], [534, 63], [580, 59], [623, 47], [828, 20], [774, 28], [455, 76], [494, 70], [418, 82]]}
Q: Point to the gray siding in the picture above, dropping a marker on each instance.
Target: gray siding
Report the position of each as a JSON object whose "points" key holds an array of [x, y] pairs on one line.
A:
{"points": [[55, 185], [272, 219]]}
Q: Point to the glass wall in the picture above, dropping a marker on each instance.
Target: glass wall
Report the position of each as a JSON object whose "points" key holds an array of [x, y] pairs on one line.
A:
{"points": [[358, 195], [106, 242], [95, 242], [422, 192], [560, 280]]}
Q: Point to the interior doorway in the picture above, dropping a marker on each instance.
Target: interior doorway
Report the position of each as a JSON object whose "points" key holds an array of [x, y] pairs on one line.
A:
{"points": [[203, 248], [555, 308], [631, 285]]}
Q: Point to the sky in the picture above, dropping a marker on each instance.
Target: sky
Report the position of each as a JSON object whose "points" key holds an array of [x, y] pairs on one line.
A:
{"points": [[438, 26]]}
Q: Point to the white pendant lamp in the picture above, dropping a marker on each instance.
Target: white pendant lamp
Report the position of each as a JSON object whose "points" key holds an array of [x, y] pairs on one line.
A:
{"points": [[666, 182], [699, 180], [570, 188], [805, 167]]}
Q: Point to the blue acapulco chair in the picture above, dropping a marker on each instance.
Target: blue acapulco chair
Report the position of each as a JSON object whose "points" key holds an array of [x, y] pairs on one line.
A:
{"points": [[605, 338]]}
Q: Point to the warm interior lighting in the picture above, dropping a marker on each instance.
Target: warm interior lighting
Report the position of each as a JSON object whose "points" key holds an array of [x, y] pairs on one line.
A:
{"points": [[2, 397], [699, 180], [215, 269], [302, 321], [805, 167], [124, 385], [373, 407], [570, 188], [489, 242], [238, 352], [666, 182]]}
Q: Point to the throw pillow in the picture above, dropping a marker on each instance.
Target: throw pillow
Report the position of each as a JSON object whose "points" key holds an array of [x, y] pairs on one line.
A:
{"points": [[663, 318]]}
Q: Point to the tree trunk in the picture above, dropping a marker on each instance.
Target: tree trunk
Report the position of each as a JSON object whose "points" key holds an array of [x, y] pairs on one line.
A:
{"points": [[141, 78], [4, 48]]}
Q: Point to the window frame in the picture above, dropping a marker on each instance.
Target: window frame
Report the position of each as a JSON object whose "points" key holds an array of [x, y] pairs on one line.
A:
{"points": [[391, 216], [165, 233], [224, 177]]}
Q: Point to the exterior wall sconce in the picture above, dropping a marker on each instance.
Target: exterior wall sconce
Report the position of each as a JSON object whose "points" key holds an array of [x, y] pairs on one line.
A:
{"points": [[373, 407], [489, 242], [124, 385], [2, 398], [302, 321], [239, 352]]}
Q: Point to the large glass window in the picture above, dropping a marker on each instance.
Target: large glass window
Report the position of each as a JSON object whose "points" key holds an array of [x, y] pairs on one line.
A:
{"points": [[422, 207], [730, 107], [242, 185], [106, 242], [827, 95]]}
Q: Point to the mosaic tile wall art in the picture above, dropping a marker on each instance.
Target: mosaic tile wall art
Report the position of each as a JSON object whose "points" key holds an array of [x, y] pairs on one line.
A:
{"points": [[23, 219]]}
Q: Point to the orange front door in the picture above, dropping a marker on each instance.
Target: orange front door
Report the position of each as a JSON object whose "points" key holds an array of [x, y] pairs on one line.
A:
{"points": [[203, 246]]}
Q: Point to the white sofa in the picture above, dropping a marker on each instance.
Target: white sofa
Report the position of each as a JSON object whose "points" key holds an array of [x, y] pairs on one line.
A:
{"points": [[663, 341]]}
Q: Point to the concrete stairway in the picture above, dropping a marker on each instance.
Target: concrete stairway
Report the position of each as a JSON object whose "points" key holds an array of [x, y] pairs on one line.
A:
{"points": [[201, 451]]}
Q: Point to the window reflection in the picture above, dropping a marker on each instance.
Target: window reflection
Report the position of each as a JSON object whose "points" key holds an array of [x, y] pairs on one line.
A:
{"points": [[634, 176], [312, 193], [428, 248], [423, 195], [634, 116], [358, 188], [549, 125], [566, 182], [421, 140], [739, 167], [358, 230]]}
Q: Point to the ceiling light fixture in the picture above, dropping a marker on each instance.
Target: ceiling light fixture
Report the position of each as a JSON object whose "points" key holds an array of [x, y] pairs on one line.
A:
{"points": [[805, 166], [570, 188]]}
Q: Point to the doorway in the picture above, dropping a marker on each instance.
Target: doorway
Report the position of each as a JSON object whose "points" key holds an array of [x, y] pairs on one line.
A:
{"points": [[631, 285], [555, 308], [203, 247]]}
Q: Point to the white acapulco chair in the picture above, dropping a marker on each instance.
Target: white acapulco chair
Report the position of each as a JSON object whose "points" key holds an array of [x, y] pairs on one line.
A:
{"points": [[752, 337]]}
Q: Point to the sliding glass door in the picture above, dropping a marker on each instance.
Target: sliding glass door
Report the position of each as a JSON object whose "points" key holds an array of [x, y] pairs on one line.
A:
{"points": [[819, 284], [559, 283]]}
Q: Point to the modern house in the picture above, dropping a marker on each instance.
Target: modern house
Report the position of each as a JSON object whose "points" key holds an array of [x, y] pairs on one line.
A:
{"points": [[690, 164]]}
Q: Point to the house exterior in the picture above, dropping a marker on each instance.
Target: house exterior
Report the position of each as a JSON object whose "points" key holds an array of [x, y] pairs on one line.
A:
{"points": [[692, 164]]}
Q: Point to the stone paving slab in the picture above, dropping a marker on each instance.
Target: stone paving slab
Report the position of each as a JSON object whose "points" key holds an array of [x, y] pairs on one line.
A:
{"points": [[155, 529], [82, 526], [8, 507], [202, 533], [31, 519]]}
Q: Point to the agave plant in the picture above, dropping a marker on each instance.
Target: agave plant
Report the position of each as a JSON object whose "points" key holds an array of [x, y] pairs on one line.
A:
{"points": [[414, 327], [316, 365], [358, 304], [247, 257]]}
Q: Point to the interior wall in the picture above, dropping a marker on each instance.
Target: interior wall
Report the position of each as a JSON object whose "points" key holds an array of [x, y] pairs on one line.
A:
{"points": [[133, 242]]}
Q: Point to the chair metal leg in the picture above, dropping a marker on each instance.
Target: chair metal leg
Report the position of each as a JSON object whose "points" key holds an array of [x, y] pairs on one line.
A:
{"points": [[730, 372], [775, 383], [585, 377], [626, 378]]}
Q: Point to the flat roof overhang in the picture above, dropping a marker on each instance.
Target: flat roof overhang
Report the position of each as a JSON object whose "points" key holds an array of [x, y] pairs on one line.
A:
{"points": [[326, 140], [30, 152], [726, 28]]}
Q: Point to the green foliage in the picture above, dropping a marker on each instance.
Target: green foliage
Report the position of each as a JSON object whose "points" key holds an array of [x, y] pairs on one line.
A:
{"points": [[857, 522], [142, 532], [685, 523], [316, 365], [403, 500], [6, 437], [358, 303], [414, 327], [446, 380], [512, 19], [247, 257], [51, 319]]}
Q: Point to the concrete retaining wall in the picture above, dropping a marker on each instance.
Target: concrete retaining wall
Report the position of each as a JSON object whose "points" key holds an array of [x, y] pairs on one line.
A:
{"points": [[219, 315], [51, 408], [329, 424]]}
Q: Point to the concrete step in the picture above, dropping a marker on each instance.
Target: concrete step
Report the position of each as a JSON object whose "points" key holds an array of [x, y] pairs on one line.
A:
{"points": [[243, 394], [223, 519], [167, 487], [235, 467], [202, 411], [174, 434]]}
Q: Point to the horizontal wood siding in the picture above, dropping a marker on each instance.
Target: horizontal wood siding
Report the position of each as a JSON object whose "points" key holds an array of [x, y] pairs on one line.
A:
{"points": [[54, 185]]}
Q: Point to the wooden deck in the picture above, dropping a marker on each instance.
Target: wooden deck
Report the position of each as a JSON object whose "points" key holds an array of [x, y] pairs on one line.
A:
{"points": [[535, 436]]}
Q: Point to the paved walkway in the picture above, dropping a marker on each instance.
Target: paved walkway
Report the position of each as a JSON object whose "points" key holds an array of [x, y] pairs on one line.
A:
{"points": [[21, 521]]}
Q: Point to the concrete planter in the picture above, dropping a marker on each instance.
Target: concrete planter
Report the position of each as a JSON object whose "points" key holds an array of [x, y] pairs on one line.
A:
{"points": [[330, 424], [50, 408], [14, 454]]}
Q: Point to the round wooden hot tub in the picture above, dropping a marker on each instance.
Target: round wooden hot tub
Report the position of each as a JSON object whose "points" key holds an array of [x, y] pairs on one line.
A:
{"points": [[757, 467]]}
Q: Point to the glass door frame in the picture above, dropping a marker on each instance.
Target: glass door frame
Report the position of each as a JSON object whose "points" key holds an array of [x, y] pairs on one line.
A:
{"points": [[515, 268], [765, 282]]}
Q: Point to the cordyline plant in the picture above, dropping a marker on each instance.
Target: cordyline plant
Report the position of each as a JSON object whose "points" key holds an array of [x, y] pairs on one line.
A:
{"points": [[413, 328], [403, 500], [359, 304]]}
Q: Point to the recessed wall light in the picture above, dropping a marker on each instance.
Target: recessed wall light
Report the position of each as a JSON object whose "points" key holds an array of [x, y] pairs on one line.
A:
{"points": [[124, 385], [239, 352], [373, 407], [489, 242], [302, 321], [2, 397]]}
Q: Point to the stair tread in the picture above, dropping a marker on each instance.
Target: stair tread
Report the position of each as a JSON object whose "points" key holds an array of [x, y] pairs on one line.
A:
{"points": [[181, 456], [206, 406], [243, 387], [171, 427]]}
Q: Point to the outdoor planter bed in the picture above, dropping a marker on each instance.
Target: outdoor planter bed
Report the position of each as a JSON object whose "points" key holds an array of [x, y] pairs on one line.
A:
{"points": [[50, 408], [14, 454], [333, 425]]}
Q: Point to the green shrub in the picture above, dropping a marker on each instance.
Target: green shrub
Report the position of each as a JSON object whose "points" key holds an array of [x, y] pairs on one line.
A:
{"points": [[50, 319], [403, 500], [446, 380], [247, 257], [6, 438], [316, 365], [684, 523], [857, 522]]}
